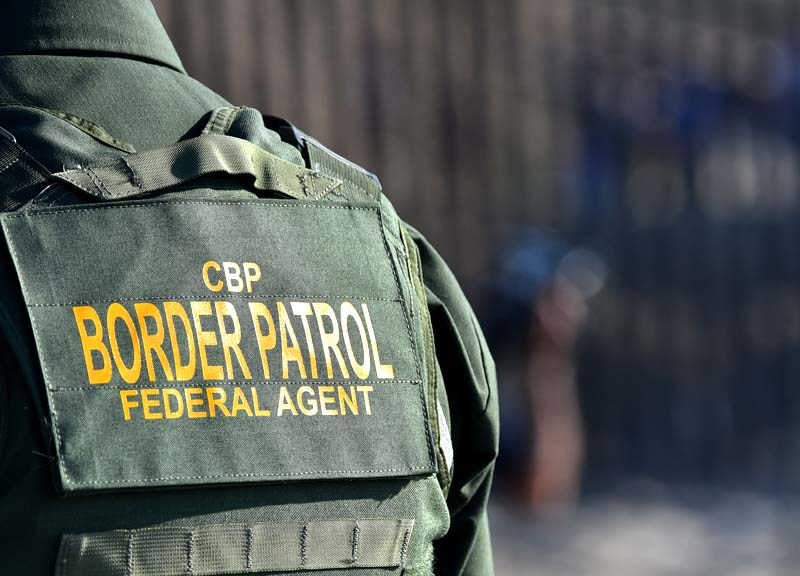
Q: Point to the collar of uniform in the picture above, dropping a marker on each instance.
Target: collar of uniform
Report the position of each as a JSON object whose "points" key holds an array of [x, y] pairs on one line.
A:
{"points": [[115, 27]]}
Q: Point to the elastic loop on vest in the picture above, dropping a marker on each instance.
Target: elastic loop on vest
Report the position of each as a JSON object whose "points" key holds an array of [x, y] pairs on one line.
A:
{"points": [[154, 170]]}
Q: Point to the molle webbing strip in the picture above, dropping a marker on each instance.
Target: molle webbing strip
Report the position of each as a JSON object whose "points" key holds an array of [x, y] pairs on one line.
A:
{"points": [[358, 184], [157, 169], [19, 174], [237, 548]]}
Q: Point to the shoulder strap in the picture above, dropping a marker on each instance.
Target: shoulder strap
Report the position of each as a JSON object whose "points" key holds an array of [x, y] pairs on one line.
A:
{"points": [[20, 174], [151, 171]]}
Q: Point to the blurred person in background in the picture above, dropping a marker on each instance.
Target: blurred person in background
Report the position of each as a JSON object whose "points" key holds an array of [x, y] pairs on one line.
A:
{"points": [[535, 315]]}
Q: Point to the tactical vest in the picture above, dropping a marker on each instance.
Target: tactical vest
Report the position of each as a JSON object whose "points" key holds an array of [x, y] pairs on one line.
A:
{"points": [[225, 362]]}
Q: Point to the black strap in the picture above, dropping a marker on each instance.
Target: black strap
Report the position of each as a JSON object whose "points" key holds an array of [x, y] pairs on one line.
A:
{"points": [[20, 174]]}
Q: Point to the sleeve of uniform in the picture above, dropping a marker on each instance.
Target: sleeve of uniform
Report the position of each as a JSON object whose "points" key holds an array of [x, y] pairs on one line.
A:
{"points": [[471, 386]]}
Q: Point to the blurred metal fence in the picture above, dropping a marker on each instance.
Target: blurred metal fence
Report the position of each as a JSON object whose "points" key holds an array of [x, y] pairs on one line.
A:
{"points": [[663, 134]]}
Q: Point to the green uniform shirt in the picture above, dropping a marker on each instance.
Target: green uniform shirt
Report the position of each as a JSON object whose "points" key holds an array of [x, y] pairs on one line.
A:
{"points": [[111, 62]]}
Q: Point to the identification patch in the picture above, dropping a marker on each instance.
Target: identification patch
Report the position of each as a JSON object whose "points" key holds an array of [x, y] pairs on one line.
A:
{"points": [[197, 342]]}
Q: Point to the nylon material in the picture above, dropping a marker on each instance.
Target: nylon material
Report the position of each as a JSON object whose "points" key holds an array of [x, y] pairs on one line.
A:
{"points": [[248, 124], [18, 172], [157, 169], [7, 157], [224, 549], [323, 246], [130, 421], [418, 498], [91, 26], [392, 498], [357, 185], [99, 449], [55, 138], [442, 438], [62, 345], [220, 119]]}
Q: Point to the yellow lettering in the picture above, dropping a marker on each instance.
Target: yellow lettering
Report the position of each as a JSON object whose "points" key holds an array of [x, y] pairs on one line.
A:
{"points": [[117, 311], [148, 403], [289, 352], [230, 340], [382, 370], [348, 312], [259, 411], [233, 276], [216, 397], [168, 393], [312, 408], [303, 309], [252, 274], [265, 341], [125, 397], [365, 390], [285, 402], [216, 286], [240, 402], [325, 400], [84, 315], [183, 372], [348, 399], [191, 402], [330, 340], [205, 339], [152, 342]]}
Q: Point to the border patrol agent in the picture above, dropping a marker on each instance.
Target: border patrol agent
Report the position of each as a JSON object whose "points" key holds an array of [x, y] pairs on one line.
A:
{"points": [[222, 351]]}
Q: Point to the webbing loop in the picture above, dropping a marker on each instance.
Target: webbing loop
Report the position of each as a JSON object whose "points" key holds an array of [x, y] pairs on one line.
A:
{"points": [[157, 169], [357, 183], [237, 548]]}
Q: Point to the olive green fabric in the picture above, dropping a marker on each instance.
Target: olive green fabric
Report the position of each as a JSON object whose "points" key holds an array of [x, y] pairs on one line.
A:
{"points": [[210, 550], [298, 257], [19, 172], [160, 168], [146, 100]]}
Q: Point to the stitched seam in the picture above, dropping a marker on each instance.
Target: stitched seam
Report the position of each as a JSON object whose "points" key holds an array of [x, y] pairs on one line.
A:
{"points": [[263, 475], [427, 423], [97, 181], [206, 296], [354, 552], [404, 546], [129, 555], [216, 383], [49, 212], [350, 181], [231, 116], [190, 553], [71, 180], [208, 127], [253, 475], [304, 545], [399, 289], [16, 159], [134, 177], [335, 182], [248, 548], [415, 272]]}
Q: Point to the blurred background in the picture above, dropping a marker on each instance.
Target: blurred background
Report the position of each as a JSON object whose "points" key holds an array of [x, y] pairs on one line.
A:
{"points": [[616, 185]]}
